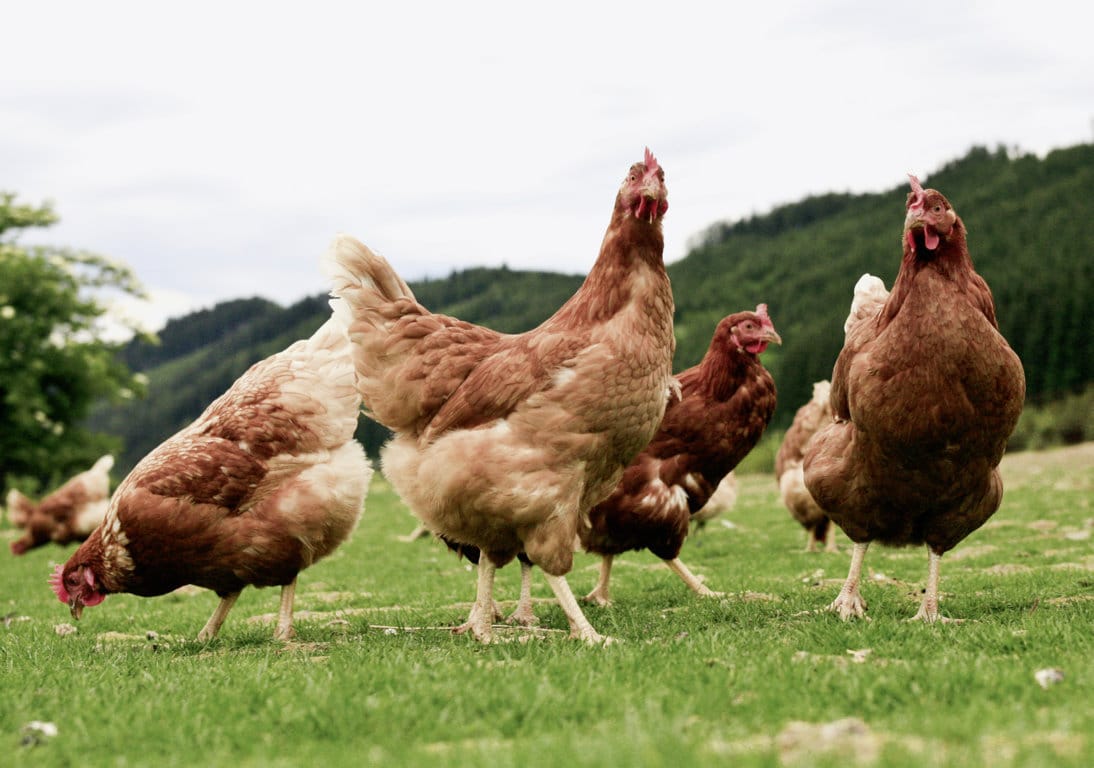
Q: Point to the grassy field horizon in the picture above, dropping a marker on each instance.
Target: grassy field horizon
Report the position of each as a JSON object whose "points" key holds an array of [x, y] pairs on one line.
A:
{"points": [[760, 677]]}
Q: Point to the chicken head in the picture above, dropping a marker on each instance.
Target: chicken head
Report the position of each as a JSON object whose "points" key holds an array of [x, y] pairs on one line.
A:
{"points": [[753, 331], [77, 587], [643, 192], [929, 211]]}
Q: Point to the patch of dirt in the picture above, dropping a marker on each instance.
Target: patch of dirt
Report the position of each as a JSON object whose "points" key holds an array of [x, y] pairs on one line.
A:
{"points": [[965, 553], [1007, 569], [799, 742]]}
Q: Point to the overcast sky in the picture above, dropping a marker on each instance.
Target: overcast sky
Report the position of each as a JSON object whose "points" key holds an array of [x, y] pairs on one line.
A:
{"points": [[217, 147]]}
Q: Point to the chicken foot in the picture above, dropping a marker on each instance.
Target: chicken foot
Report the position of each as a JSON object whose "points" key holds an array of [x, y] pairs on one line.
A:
{"points": [[580, 628], [601, 594], [691, 579], [212, 626], [523, 615], [849, 602], [284, 630], [928, 609], [480, 622]]}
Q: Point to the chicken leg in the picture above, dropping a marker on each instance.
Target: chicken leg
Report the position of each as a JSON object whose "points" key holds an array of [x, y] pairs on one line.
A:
{"points": [[928, 609], [481, 620], [523, 614], [212, 626], [849, 602], [580, 628], [691, 579], [284, 630], [601, 594]]}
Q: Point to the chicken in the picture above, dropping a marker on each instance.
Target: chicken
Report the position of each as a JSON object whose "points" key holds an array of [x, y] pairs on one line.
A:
{"points": [[925, 394], [264, 483], [788, 468], [724, 406], [504, 442], [68, 514], [721, 501]]}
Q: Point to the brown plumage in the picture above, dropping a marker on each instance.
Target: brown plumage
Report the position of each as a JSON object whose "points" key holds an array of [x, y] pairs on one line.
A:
{"points": [[68, 514], [265, 482], [724, 405], [503, 442], [925, 394], [788, 468]]}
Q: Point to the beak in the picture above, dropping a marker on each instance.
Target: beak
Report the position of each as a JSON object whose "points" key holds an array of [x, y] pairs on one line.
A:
{"points": [[76, 607], [913, 219], [772, 337]]}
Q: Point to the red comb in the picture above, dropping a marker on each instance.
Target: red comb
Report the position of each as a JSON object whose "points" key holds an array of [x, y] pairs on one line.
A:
{"points": [[761, 310], [57, 583], [651, 161], [916, 186]]}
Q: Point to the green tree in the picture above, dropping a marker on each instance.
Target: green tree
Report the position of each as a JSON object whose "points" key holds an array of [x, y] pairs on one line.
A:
{"points": [[54, 359]]}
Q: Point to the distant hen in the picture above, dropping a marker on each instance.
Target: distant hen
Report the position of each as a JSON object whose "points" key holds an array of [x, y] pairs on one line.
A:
{"points": [[811, 417], [68, 514]]}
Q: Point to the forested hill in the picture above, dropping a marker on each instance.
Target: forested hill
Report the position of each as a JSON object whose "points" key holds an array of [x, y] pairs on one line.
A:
{"points": [[1031, 235]]}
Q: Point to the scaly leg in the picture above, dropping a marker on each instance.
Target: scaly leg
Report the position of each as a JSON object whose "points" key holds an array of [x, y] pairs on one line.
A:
{"points": [[928, 609], [580, 628], [691, 579], [811, 541], [830, 539], [481, 620], [523, 615], [212, 626], [849, 602], [284, 629], [601, 594]]}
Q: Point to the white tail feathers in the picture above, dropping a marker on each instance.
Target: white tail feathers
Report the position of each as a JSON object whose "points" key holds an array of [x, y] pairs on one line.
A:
{"points": [[104, 464], [870, 295], [350, 264]]}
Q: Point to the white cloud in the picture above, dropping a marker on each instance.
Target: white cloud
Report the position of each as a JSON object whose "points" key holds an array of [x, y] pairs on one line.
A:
{"points": [[218, 160]]}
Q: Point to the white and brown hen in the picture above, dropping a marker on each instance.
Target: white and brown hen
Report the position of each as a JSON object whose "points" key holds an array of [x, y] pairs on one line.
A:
{"points": [[504, 442], [265, 482], [68, 514]]}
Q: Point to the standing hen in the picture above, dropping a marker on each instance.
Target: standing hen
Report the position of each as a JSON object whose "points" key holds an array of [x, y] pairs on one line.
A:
{"points": [[68, 514], [724, 406], [265, 482], [788, 468], [504, 442], [925, 394]]}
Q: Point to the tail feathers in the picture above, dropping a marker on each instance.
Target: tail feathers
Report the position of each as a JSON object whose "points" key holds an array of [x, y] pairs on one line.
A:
{"points": [[19, 508], [870, 297], [351, 265], [103, 465]]}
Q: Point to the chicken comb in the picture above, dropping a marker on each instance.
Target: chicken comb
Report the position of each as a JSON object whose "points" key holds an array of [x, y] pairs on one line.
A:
{"points": [[917, 192], [761, 310], [651, 161], [57, 583]]}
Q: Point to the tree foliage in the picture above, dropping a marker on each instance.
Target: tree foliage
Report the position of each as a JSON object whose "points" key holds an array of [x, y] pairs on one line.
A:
{"points": [[54, 361]]}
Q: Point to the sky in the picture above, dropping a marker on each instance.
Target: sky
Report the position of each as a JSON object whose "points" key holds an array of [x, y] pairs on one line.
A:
{"points": [[218, 147]]}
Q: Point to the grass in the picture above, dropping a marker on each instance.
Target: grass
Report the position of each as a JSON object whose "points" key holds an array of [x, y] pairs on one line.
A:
{"points": [[755, 679]]}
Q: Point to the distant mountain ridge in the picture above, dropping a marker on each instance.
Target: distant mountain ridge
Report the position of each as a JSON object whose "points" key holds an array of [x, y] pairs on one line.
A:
{"points": [[1031, 235]]}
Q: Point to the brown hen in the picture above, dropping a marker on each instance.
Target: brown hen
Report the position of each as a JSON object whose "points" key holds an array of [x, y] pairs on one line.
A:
{"points": [[504, 442], [925, 394], [265, 482], [68, 514]]}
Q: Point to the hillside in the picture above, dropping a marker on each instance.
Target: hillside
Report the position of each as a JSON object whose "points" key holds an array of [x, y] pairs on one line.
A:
{"points": [[1031, 235]]}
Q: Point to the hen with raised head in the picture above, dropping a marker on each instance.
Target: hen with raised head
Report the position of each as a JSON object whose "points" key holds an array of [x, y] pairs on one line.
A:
{"points": [[925, 393], [505, 441], [68, 514], [264, 483]]}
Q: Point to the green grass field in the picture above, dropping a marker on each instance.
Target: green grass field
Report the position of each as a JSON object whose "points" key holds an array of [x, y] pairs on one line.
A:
{"points": [[754, 679]]}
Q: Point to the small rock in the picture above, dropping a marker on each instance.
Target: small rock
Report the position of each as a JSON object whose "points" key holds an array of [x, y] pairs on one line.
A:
{"points": [[860, 656], [391, 631], [151, 635], [64, 630], [1048, 677]]}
